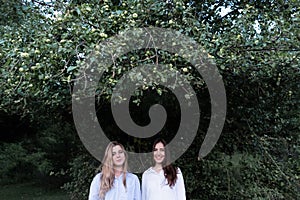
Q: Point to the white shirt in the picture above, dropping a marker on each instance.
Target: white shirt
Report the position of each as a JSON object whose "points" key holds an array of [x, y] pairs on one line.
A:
{"points": [[118, 191], [155, 186]]}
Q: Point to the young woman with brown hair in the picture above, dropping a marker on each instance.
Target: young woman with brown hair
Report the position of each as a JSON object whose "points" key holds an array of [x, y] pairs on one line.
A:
{"points": [[163, 181]]}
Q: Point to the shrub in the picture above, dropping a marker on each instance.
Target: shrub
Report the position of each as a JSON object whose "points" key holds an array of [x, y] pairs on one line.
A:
{"points": [[82, 170]]}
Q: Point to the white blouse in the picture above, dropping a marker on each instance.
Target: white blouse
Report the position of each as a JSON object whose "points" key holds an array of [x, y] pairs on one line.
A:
{"points": [[155, 186], [118, 191]]}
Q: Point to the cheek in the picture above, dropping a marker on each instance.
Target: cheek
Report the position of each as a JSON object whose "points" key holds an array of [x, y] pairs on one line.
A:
{"points": [[123, 156]]}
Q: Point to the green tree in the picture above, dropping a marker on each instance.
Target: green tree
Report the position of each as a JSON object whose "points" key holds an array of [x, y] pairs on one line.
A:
{"points": [[255, 47]]}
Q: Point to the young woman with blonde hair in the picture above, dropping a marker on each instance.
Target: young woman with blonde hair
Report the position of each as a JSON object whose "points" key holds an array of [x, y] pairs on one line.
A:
{"points": [[114, 182]]}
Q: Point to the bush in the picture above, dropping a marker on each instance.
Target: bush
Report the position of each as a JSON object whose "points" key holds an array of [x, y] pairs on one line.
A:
{"points": [[238, 176], [82, 171], [42, 157], [17, 164]]}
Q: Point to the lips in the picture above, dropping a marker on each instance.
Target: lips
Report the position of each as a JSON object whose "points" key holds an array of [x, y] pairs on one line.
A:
{"points": [[159, 158]]}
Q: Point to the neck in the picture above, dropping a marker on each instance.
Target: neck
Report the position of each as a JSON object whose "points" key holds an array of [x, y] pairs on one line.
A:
{"points": [[158, 167], [118, 171]]}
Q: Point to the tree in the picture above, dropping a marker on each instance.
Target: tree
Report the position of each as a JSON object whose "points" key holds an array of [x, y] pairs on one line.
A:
{"points": [[254, 46]]}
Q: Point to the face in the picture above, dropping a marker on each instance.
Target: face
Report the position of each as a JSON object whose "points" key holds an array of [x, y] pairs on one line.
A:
{"points": [[159, 153], [118, 156]]}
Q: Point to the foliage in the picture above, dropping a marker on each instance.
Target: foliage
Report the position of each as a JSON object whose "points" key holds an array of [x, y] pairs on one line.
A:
{"points": [[11, 11], [42, 157], [30, 191], [17, 164], [255, 47], [82, 171], [239, 176]]}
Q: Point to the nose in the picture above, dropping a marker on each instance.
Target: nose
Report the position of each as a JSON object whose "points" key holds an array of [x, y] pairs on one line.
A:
{"points": [[159, 152]]}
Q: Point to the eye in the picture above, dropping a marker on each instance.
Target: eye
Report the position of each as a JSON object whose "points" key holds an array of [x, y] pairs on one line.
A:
{"points": [[155, 149], [113, 153], [121, 151]]}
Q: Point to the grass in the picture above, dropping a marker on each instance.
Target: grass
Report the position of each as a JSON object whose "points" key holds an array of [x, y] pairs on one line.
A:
{"points": [[30, 191]]}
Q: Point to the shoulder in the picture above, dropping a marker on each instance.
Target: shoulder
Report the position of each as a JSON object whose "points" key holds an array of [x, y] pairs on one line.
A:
{"points": [[96, 181], [148, 171], [148, 174], [130, 175], [132, 178], [178, 170], [179, 173], [97, 177]]}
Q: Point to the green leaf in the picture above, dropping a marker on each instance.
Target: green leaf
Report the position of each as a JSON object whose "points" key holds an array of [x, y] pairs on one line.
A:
{"points": [[71, 68]]}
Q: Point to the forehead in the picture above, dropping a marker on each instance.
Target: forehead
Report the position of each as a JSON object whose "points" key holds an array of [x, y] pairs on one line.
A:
{"points": [[159, 145], [117, 148]]}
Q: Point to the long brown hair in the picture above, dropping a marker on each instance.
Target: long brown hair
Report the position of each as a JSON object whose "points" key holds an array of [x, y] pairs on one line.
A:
{"points": [[170, 171], [107, 169]]}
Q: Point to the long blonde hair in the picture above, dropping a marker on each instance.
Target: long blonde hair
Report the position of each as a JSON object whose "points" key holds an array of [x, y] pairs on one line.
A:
{"points": [[107, 169]]}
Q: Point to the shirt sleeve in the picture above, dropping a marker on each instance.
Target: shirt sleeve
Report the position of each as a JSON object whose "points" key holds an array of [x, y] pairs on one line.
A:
{"points": [[137, 191], [144, 194], [94, 188], [180, 189]]}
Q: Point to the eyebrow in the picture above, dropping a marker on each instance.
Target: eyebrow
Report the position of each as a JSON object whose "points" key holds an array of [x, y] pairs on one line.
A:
{"points": [[120, 151], [159, 148]]}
